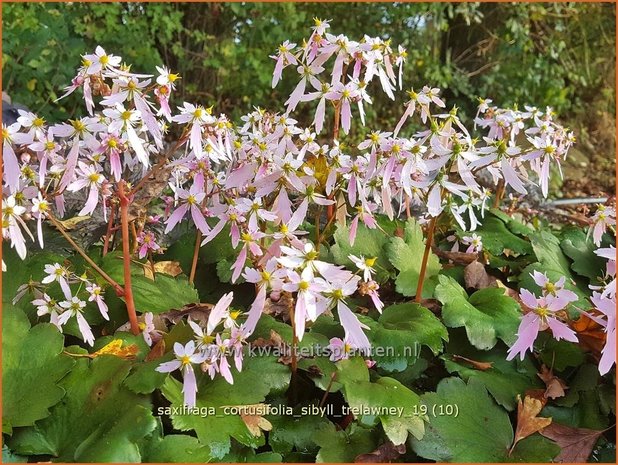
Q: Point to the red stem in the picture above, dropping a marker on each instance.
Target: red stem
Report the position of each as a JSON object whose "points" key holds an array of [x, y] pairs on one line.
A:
{"points": [[126, 257], [428, 244]]}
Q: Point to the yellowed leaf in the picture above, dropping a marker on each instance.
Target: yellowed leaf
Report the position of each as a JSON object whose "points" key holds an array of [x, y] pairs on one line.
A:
{"points": [[115, 348], [527, 420], [170, 268], [72, 222]]}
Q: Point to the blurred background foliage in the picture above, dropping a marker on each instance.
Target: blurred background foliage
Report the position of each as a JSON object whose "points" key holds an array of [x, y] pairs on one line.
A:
{"points": [[556, 54]]}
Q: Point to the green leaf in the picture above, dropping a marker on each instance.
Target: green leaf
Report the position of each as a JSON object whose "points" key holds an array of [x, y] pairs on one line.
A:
{"points": [[406, 255], [160, 295], [32, 364], [175, 448], [97, 421], [370, 243], [535, 448], [386, 400], [343, 446], [580, 248], [400, 332], [478, 431], [497, 237], [20, 272], [504, 380], [487, 315], [260, 376], [295, 432]]}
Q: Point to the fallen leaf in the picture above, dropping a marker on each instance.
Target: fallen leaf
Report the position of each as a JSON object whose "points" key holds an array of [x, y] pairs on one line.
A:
{"points": [[555, 386], [385, 453], [156, 352], [478, 365], [115, 348], [71, 223], [198, 312], [591, 335], [252, 417], [170, 268], [538, 394], [527, 420], [576, 443], [476, 277], [314, 371], [458, 258]]}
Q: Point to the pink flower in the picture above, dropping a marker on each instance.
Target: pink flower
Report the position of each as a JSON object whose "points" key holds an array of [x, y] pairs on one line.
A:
{"points": [[95, 295], [339, 349], [364, 264], [59, 273], [309, 302], [74, 307], [185, 357], [148, 329], [474, 243], [556, 289], [47, 306], [91, 177], [540, 318], [283, 58], [13, 224], [607, 306], [193, 200], [605, 217], [146, 242]]}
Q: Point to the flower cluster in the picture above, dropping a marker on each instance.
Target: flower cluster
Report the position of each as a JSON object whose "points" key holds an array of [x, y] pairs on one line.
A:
{"points": [[70, 298], [260, 182], [210, 349]]}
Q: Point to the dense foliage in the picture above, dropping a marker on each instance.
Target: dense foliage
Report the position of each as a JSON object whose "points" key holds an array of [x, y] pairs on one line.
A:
{"points": [[264, 289]]}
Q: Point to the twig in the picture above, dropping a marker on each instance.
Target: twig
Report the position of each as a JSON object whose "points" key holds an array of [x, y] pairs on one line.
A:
{"points": [[117, 287]]}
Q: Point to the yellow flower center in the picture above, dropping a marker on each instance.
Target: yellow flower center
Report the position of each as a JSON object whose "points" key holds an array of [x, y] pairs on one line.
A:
{"points": [[173, 77], [38, 122], [50, 145], [104, 60], [542, 311], [94, 177], [112, 143], [191, 199], [370, 261], [303, 285], [235, 314], [78, 126], [198, 112], [125, 115], [185, 360]]}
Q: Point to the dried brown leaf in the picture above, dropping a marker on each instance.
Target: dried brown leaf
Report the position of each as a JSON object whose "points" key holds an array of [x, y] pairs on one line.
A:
{"points": [[576, 443], [385, 453], [476, 277], [527, 420], [170, 268], [555, 387], [477, 365]]}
